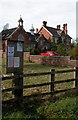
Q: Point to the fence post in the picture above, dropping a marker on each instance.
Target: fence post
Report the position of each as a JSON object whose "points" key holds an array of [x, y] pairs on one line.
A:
{"points": [[52, 82], [76, 77], [17, 84]]}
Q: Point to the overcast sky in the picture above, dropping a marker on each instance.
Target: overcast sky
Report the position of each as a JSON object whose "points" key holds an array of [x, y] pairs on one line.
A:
{"points": [[35, 11]]}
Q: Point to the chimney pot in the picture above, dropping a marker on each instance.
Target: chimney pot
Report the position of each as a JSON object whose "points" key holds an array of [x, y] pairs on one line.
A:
{"points": [[65, 28], [66, 24], [36, 30], [44, 23], [58, 27]]}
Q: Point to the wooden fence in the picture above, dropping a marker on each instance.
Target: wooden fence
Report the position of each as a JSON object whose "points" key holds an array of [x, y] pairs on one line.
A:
{"points": [[17, 90]]}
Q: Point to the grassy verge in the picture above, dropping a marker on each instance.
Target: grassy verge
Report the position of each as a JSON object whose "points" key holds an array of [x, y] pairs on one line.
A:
{"points": [[37, 108]]}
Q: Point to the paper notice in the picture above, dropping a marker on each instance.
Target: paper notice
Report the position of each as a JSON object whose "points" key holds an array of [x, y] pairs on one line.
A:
{"points": [[16, 61], [19, 47], [10, 61], [10, 51]]}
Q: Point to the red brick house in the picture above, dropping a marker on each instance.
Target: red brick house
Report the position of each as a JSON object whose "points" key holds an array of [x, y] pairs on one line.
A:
{"points": [[42, 38], [15, 34], [55, 34], [38, 41], [43, 43]]}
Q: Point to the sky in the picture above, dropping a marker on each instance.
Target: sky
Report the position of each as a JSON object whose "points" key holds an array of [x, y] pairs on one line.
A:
{"points": [[55, 12]]}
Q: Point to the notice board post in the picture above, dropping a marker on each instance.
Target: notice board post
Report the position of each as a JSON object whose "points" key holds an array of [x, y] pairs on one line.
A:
{"points": [[14, 65], [17, 84]]}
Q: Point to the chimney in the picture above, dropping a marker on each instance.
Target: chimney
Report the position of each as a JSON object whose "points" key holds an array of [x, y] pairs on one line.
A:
{"points": [[44, 23], [58, 27], [65, 28], [36, 30]]}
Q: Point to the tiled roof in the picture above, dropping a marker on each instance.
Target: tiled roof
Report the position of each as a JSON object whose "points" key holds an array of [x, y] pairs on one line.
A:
{"points": [[6, 33], [52, 31], [55, 32], [66, 35], [33, 37], [36, 35]]}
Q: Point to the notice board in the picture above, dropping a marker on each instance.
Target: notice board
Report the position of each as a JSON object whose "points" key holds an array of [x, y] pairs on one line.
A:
{"points": [[14, 56]]}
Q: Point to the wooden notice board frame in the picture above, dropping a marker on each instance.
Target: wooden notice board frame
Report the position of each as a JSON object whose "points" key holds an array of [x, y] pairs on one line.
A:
{"points": [[14, 59]]}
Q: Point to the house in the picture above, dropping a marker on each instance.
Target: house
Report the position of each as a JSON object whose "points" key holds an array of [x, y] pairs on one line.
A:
{"points": [[41, 39], [56, 34], [43, 43], [38, 41], [16, 33], [32, 37]]}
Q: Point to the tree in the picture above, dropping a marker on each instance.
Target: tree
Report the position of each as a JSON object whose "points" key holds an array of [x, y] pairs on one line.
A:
{"points": [[59, 40], [61, 49], [6, 26], [53, 46], [74, 52]]}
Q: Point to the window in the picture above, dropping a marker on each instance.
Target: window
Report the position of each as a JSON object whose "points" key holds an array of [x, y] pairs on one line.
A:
{"points": [[20, 37], [56, 40]]}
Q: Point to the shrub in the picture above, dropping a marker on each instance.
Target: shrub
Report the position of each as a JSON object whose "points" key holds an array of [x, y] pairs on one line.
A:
{"points": [[74, 52], [61, 49]]}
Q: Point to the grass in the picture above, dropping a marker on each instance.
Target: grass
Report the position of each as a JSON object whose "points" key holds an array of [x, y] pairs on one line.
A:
{"points": [[36, 108], [63, 106]]}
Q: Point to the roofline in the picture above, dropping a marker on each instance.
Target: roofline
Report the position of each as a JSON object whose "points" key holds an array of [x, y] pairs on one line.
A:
{"points": [[39, 30], [50, 32], [46, 30], [12, 33]]}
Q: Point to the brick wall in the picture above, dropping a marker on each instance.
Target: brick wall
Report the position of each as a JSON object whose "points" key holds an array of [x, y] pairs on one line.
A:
{"points": [[35, 58], [73, 63], [32, 58], [26, 56], [60, 60]]}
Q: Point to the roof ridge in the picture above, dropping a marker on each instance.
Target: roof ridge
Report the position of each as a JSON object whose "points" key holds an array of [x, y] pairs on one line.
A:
{"points": [[51, 27], [9, 29]]}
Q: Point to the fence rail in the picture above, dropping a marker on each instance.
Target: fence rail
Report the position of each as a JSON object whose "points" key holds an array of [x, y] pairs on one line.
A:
{"points": [[17, 87], [38, 74]]}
